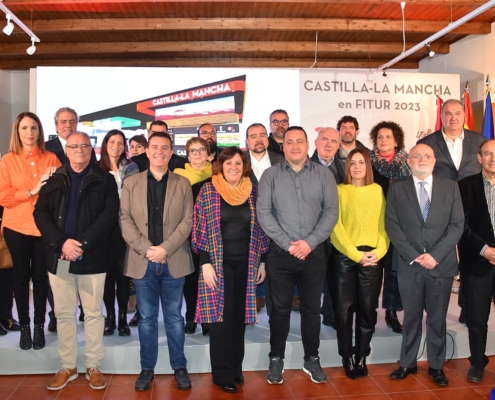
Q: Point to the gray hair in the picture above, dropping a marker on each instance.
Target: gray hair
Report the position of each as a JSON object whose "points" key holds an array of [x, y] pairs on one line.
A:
{"points": [[65, 109], [452, 101], [78, 133]]}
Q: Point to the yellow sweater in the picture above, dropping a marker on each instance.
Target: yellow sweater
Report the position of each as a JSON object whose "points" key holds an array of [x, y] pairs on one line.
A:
{"points": [[361, 221]]}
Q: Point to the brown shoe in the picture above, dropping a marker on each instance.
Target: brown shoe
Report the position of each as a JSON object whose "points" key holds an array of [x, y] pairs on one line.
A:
{"points": [[95, 378], [295, 303], [62, 378], [260, 303]]}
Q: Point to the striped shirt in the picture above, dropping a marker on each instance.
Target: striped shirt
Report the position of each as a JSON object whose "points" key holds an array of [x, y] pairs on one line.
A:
{"points": [[490, 201]]}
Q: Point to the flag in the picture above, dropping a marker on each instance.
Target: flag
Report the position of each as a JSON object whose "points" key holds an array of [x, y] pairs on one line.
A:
{"points": [[438, 125], [488, 118], [468, 109]]}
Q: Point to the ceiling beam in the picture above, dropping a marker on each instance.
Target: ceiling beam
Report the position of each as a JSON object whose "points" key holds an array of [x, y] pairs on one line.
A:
{"points": [[206, 46], [254, 24], [238, 63]]}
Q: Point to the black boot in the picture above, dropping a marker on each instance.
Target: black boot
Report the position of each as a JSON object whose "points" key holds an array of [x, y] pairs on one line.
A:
{"points": [[110, 323], [349, 367], [361, 368], [38, 337], [190, 327], [206, 329], [134, 320], [392, 321], [25, 342], [123, 327]]}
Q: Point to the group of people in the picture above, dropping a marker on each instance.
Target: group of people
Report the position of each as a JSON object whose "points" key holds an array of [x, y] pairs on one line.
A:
{"points": [[212, 228]]}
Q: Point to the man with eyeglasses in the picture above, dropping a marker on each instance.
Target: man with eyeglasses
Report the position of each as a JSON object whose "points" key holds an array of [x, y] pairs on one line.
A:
{"points": [[348, 127], [143, 164], [75, 213], [209, 133], [279, 122], [424, 221]]}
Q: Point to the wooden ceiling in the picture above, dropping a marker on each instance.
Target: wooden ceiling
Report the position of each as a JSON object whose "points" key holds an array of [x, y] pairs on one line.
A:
{"points": [[200, 33]]}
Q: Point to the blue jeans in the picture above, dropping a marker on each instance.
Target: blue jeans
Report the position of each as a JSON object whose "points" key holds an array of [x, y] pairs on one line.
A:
{"points": [[157, 284]]}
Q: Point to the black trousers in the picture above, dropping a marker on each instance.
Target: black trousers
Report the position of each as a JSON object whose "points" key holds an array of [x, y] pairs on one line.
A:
{"points": [[227, 337], [6, 292], [355, 290], [479, 293], [284, 272], [115, 276], [28, 256], [191, 289], [391, 295]]}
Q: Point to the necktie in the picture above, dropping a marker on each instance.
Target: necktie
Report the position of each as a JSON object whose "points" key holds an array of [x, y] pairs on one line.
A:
{"points": [[424, 200]]}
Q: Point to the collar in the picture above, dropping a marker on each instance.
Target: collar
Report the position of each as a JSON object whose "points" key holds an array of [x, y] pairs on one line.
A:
{"points": [[428, 180], [323, 162], [25, 153], [150, 175], [486, 181], [446, 138], [307, 165], [264, 158]]}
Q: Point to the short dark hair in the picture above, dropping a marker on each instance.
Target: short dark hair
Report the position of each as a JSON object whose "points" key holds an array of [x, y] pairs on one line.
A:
{"points": [[159, 123], [394, 127], [206, 123], [104, 162], [480, 150], [348, 118], [163, 135], [252, 126], [227, 154], [369, 178], [296, 128], [139, 139], [279, 110]]}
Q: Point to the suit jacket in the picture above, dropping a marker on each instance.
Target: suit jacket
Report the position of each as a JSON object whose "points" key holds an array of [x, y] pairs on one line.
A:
{"points": [[337, 167], [438, 236], [143, 163], [478, 229], [444, 167], [55, 146], [177, 224], [274, 159]]}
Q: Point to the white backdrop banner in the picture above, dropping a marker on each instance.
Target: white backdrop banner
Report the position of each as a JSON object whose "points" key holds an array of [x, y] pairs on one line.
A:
{"points": [[408, 99]]}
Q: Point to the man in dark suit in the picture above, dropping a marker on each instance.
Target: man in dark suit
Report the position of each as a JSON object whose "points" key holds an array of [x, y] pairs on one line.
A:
{"points": [[424, 221], [477, 255], [142, 159], [260, 158], [66, 120]]}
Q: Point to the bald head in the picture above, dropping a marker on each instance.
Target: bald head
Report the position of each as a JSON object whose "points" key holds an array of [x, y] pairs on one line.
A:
{"points": [[327, 143], [421, 160]]}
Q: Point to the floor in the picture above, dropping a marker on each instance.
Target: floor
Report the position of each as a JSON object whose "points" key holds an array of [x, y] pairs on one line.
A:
{"points": [[378, 386]]}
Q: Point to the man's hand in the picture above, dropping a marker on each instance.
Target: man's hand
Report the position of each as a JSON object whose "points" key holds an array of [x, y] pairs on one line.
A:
{"points": [[157, 254], [299, 249], [426, 261], [209, 276], [369, 259], [489, 254], [71, 250], [261, 275]]}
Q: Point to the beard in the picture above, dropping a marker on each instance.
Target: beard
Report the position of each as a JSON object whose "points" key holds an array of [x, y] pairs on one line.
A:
{"points": [[259, 149], [212, 145]]}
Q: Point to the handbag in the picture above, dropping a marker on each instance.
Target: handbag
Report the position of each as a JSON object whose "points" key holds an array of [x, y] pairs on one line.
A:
{"points": [[5, 257]]}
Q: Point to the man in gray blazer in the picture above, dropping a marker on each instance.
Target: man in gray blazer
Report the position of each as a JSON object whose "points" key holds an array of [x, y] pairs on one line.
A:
{"points": [[424, 221], [156, 217]]}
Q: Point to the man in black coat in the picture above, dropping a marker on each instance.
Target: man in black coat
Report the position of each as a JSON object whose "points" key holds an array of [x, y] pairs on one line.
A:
{"points": [[279, 123], [477, 255], [76, 211]]}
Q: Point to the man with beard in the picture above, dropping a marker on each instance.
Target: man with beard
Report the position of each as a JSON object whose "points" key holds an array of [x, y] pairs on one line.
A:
{"points": [[348, 127], [209, 133], [279, 122]]}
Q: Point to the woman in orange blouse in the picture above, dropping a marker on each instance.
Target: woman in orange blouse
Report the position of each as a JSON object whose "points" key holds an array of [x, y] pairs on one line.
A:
{"points": [[23, 172]]}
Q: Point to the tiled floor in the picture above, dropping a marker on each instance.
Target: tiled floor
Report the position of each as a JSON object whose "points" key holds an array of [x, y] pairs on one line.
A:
{"points": [[296, 385]]}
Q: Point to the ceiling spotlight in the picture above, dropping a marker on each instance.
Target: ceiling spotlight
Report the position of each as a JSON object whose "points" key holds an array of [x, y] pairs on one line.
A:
{"points": [[9, 28], [431, 53], [31, 49], [384, 72]]}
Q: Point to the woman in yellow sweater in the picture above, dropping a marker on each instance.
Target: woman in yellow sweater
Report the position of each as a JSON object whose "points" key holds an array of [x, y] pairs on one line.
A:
{"points": [[360, 242]]}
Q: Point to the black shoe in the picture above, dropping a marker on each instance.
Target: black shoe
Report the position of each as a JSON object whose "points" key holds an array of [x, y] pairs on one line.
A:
{"points": [[462, 317], [182, 377], [401, 373], [110, 325], [239, 380], [123, 327], [329, 323], [206, 329], [25, 342], [232, 388], [11, 325], [349, 367], [52, 325], [3, 331], [134, 320], [392, 321], [361, 368], [438, 376], [475, 374], [190, 327], [81, 315], [38, 337], [144, 379]]}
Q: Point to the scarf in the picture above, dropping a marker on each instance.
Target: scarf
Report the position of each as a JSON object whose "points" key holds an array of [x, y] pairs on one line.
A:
{"points": [[393, 171], [235, 196], [194, 175]]}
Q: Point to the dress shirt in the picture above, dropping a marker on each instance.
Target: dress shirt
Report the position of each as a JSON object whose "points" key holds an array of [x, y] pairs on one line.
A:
{"points": [[428, 186], [455, 148], [156, 205], [490, 201], [63, 142], [259, 166], [297, 205], [323, 162]]}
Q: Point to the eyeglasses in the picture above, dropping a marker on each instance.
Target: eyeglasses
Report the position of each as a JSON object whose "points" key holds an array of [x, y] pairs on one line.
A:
{"points": [[202, 150], [282, 121], [210, 133], [419, 157], [83, 146]]}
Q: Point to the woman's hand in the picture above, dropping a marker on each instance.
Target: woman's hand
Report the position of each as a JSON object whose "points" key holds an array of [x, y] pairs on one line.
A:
{"points": [[261, 275], [209, 276], [49, 172], [369, 259]]}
